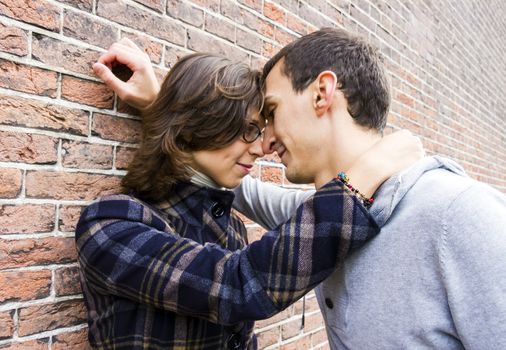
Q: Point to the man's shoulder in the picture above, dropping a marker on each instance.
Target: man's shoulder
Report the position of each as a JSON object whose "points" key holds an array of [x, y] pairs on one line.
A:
{"points": [[447, 186]]}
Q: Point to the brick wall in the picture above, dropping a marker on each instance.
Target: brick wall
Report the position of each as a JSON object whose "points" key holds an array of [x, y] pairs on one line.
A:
{"points": [[65, 138]]}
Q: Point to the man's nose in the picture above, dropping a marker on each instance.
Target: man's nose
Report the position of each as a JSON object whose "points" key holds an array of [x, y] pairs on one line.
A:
{"points": [[269, 139]]}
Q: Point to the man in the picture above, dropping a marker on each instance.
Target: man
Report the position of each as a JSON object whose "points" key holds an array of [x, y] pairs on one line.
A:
{"points": [[435, 277]]}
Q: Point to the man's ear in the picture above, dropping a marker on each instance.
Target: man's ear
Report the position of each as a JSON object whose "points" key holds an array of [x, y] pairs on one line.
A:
{"points": [[325, 87]]}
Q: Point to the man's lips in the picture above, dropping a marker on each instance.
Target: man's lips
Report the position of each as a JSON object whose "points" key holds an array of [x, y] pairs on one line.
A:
{"points": [[280, 151]]}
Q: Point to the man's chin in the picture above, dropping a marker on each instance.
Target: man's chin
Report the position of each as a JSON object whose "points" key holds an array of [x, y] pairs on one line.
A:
{"points": [[296, 177]]}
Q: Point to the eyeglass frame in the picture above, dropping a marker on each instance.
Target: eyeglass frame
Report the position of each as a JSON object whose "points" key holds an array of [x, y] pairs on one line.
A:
{"points": [[259, 133]]}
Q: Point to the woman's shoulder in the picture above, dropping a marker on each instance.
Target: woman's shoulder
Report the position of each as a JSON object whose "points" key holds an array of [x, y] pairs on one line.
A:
{"points": [[120, 206]]}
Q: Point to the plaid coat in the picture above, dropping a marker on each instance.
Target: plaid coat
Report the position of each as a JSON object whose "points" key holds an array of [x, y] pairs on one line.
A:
{"points": [[179, 275]]}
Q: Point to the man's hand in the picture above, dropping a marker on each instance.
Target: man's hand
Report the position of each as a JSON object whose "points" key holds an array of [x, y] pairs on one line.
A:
{"points": [[142, 87], [390, 155]]}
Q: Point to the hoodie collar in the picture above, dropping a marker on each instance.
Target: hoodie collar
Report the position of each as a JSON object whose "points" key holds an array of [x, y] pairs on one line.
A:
{"points": [[392, 191]]}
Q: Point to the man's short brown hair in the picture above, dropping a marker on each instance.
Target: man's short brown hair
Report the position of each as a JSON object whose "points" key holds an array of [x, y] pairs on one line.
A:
{"points": [[356, 64]]}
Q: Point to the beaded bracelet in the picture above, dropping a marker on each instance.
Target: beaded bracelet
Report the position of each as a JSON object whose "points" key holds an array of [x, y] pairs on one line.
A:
{"points": [[345, 180]]}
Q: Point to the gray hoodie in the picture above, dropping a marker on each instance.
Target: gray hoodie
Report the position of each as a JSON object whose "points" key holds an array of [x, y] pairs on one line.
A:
{"points": [[434, 278]]}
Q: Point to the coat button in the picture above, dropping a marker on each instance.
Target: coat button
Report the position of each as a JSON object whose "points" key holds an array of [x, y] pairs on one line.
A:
{"points": [[329, 303], [217, 210], [234, 342]]}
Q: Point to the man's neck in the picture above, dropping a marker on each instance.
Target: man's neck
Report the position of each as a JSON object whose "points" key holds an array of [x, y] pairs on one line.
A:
{"points": [[346, 147]]}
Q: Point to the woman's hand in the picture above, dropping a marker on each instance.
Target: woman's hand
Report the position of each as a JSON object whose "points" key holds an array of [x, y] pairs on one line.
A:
{"points": [[142, 87], [390, 155]]}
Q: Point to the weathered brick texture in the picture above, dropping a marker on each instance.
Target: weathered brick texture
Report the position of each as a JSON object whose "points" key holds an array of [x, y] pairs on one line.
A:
{"points": [[66, 139]]}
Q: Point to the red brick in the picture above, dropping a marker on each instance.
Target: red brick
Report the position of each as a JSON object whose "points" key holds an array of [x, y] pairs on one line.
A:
{"points": [[38, 12], [69, 215], [185, 12], [243, 218], [152, 48], [274, 12], [220, 27], [24, 285], [66, 281], [268, 337], [88, 29], [37, 251], [291, 329], [38, 318], [283, 37], [35, 114], [63, 55], [255, 172], [296, 24], [254, 234], [199, 41], [28, 148], [124, 156], [313, 322], [86, 156], [125, 108], [69, 186], [13, 40], [319, 338], [87, 92], [302, 343], [133, 17], [258, 63], [311, 305], [37, 344], [272, 174], [13, 218], [249, 41], [85, 5], [77, 340], [213, 5], [254, 4], [11, 182], [154, 4], [173, 54], [281, 316], [28, 79], [313, 16], [269, 50], [116, 128], [273, 157], [267, 29], [7, 324]]}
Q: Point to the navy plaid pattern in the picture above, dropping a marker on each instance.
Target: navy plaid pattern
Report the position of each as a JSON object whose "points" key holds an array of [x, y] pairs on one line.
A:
{"points": [[179, 275]]}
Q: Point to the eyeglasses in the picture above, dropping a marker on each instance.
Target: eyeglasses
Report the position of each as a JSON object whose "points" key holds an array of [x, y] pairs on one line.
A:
{"points": [[252, 133]]}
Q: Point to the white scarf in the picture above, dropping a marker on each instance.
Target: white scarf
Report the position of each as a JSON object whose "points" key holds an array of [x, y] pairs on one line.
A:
{"points": [[201, 179]]}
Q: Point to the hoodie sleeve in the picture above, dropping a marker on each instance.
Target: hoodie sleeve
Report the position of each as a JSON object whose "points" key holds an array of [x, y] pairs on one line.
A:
{"points": [[266, 204], [473, 261]]}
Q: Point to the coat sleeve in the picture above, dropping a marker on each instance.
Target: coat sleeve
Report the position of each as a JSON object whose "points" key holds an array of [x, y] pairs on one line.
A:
{"points": [[125, 251], [266, 204]]}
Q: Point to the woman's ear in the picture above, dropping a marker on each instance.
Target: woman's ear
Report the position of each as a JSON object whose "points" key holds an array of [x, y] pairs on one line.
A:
{"points": [[325, 87]]}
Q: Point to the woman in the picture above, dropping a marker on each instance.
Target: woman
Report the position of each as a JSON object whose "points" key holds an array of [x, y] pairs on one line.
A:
{"points": [[166, 265]]}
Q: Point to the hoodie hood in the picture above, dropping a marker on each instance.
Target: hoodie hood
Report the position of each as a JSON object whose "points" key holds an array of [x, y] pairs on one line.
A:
{"points": [[388, 196]]}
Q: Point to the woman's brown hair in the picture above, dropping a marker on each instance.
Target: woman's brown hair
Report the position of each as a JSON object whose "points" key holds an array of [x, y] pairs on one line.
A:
{"points": [[205, 103]]}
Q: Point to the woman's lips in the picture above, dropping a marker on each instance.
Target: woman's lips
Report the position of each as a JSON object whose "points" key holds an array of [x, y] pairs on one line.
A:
{"points": [[246, 167]]}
